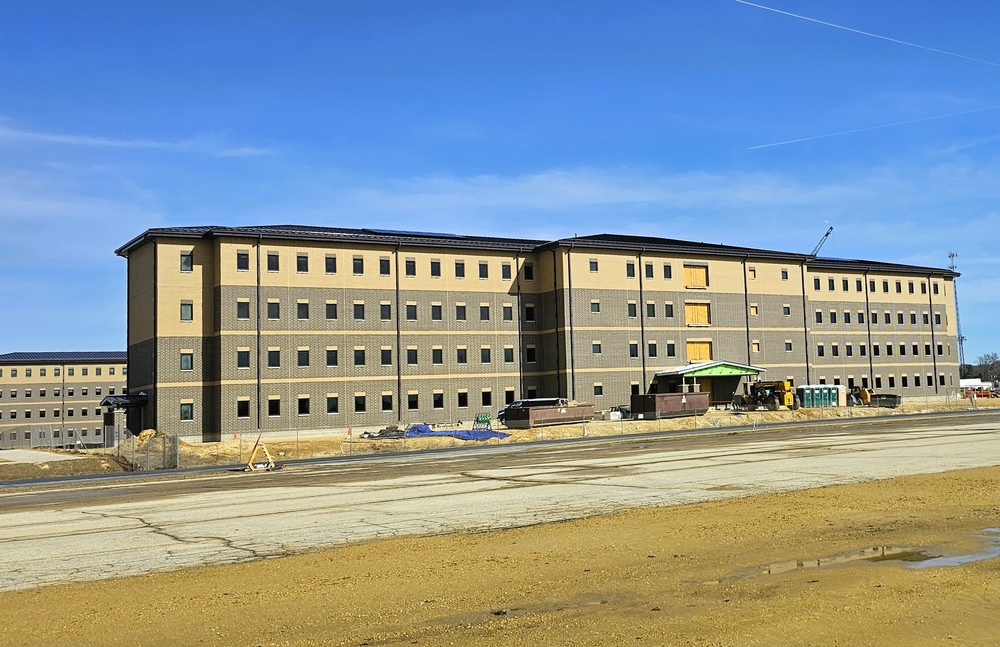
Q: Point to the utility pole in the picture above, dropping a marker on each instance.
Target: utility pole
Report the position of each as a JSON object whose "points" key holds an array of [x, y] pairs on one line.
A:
{"points": [[958, 320]]}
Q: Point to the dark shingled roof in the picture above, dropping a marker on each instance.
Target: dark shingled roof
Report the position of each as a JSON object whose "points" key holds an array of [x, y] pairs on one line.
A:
{"points": [[69, 357], [453, 241]]}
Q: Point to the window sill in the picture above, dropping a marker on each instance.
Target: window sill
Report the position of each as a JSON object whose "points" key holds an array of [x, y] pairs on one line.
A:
{"points": [[695, 287], [699, 325]]}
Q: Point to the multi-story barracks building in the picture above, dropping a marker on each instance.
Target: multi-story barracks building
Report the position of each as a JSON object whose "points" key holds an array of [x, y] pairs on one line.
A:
{"points": [[235, 329]]}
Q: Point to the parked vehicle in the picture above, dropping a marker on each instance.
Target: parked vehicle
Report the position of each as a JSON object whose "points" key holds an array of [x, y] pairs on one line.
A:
{"points": [[766, 394]]}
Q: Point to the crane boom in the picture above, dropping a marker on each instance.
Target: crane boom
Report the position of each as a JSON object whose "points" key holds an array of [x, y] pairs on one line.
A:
{"points": [[821, 241]]}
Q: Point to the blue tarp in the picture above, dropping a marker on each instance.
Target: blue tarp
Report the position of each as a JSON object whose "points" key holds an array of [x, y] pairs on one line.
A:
{"points": [[422, 431]]}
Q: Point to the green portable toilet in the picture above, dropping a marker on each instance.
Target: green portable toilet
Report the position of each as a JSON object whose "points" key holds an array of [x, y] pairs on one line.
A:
{"points": [[824, 393], [806, 395]]}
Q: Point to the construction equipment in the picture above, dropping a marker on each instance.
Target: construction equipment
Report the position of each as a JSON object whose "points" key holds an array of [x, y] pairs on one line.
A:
{"points": [[259, 466], [770, 395], [820, 243]]}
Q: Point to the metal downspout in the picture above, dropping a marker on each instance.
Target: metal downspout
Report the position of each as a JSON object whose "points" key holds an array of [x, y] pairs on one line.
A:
{"points": [[572, 346], [805, 320], [399, 341], [642, 319], [930, 315]]}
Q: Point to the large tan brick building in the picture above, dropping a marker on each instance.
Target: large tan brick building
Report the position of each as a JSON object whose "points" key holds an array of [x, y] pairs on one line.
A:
{"points": [[293, 327], [54, 399]]}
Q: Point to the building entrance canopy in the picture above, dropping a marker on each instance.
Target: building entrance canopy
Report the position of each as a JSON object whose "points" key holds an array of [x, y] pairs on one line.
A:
{"points": [[712, 369]]}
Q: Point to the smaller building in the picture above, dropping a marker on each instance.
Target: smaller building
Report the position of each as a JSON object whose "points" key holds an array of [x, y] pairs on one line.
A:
{"points": [[54, 399]]}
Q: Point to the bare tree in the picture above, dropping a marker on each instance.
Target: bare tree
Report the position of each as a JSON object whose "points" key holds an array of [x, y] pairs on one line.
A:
{"points": [[987, 367]]}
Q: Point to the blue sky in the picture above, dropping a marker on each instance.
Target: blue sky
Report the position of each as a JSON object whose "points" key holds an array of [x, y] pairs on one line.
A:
{"points": [[529, 119]]}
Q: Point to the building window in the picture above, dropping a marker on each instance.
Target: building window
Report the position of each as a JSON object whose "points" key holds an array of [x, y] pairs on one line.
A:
{"points": [[934, 288], [187, 311], [820, 351], [696, 276], [242, 261], [937, 318], [831, 284], [484, 270], [301, 263], [331, 264], [273, 310], [846, 285], [649, 270], [484, 355], [668, 310], [697, 314], [788, 346], [272, 261], [833, 316], [593, 265], [484, 313], [332, 357], [487, 398], [598, 389], [435, 268], [274, 407], [651, 349], [273, 358], [411, 356], [819, 317], [187, 411], [847, 317], [752, 273], [630, 269], [835, 350], [632, 310], [668, 272], [385, 356], [529, 354], [786, 310], [437, 356], [303, 405], [360, 406], [358, 264], [508, 312], [913, 318], [331, 310], [754, 310], [529, 313], [332, 404], [243, 310], [359, 356], [816, 283], [187, 262], [383, 266], [384, 311], [460, 312], [508, 354], [850, 350], [505, 271], [303, 357], [411, 266], [461, 356], [242, 408], [302, 310], [671, 349], [595, 347], [411, 312], [412, 401], [650, 310], [595, 306], [436, 312], [459, 269], [926, 318], [755, 346], [359, 312], [784, 274], [187, 361], [463, 399], [437, 400], [528, 269], [633, 350], [243, 359]]}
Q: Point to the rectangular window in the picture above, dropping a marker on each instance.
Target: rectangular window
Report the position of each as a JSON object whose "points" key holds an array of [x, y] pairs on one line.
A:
{"points": [[302, 356], [411, 312], [650, 310], [755, 346], [332, 357], [359, 311], [595, 306], [331, 310], [187, 262], [696, 276], [849, 348], [697, 314], [899, 318], [383, 266], [461, 356], [331, 264], [484, 270], [460, 312], [819, 317], [937, 318], [303, 403], [847, 317], [385, 311], [411, 356], [630, 269], [892, 382], [410, 266], [484, 355], [273, 358], [243, 310], [530, 354], [668, 310], [437, 356], [831, 284], [909, 288], [699, 351], [332, 404], [359, 356], [668, 272], [816, 283], [913, 318], [358, 264], [272, 261], [187, 311], [187, 411], [302, 263], [926, 318], [302, 310], [385, 356], [899, 287], [412, 401], [505, 271], [820, 351], [529, 313], [484, 313], [935, 288], [435, 268], [242, 408], [786, 310], [788, 346], [273, 310], [242, 261], [463, 399], [528, 269], [187, 361], [833, 316], [437, 400], [595, 348], [243, 359], [593, 265], [752, 273], [508, 354], [784, 274], [651, 349], [360, 405], [671, 349], [487, 398], [459, 269], [835, 350], [598, 389], [633, 349], [846, 285], [632, 310], [649, 270], [386, 402], [436, 313], [888, 350]]}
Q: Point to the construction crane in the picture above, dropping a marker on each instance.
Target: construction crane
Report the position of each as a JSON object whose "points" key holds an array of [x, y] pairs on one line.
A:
{"points": [[820, 243], [958, 320]]}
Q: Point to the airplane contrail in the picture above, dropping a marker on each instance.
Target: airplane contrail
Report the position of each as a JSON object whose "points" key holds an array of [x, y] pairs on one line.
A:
{"points": [[861, 130], [868, 33]]}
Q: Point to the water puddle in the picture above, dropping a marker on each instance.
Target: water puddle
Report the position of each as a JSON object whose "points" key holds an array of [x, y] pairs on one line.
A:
{"points": [[913, 557]]}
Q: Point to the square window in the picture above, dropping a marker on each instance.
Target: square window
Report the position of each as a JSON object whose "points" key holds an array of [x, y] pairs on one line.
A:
{"points": [[187, 411], [272, 261], [786, 311], [303, 357], [383, 266], [187, 262], [242, 408], [242, 309], [788, 346], [301, 263], [273, 310], [332, 357], [332, 404], [598, 389], [331, 264], [187, 311], [302, 310], [304, 406], [593, 265], [187, 361], [596, 348], [242, 261], [274, 407]]}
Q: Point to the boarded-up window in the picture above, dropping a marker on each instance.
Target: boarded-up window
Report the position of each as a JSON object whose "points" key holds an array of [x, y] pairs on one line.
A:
{"points": [[697, 314], [696, 276], [699, 351]]}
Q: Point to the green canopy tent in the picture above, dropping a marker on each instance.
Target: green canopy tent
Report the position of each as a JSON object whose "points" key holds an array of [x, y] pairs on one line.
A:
{"points": [[720, 379]]}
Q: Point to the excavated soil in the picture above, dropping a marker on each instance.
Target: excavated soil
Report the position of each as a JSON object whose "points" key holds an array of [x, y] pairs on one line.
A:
{"points": [[788, 569]]}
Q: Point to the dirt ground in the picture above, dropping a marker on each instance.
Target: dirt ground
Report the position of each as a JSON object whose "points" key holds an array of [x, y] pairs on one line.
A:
{"points": [[766, 570]]}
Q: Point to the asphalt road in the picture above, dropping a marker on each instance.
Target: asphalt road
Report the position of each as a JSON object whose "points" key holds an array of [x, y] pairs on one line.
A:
{"points": [[113, 528]]}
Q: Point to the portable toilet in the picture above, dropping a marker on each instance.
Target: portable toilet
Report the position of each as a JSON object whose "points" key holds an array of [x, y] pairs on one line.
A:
{"points": [[806, 395]]}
